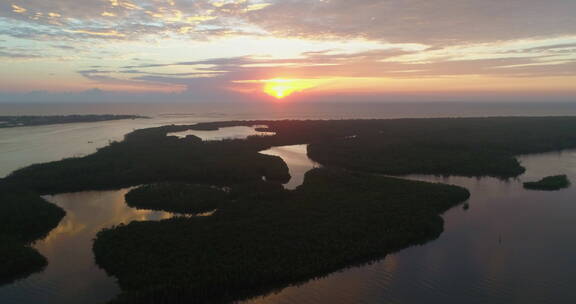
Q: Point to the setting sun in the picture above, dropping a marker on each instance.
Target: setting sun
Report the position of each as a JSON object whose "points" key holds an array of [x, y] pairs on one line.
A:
{"points": [[281, 88]]}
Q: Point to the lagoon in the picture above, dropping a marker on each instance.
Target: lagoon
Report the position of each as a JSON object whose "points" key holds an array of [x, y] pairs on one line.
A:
{"points": [[511, 246], [508, 247]]}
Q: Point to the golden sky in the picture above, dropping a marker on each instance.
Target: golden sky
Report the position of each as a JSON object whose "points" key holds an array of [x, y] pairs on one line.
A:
{"points": [[227, 50]]}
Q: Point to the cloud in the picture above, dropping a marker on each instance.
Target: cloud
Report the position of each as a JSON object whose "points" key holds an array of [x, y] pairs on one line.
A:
{"points": [[216, 78], [63, 47], [525, 58], [94, 95], [4, 54], [108, 77], [438, 22], [124, 19], [404, 39], [19, 53]]}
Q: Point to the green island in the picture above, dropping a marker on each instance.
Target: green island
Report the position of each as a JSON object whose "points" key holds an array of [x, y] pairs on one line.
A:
{"points": [[24, 218], [264, 238], [253, 246], [549, 183], [177, 198], [21, 121]]}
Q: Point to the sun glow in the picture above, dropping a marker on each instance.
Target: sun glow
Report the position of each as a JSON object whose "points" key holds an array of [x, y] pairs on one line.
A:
{"points": [[281, 88]]}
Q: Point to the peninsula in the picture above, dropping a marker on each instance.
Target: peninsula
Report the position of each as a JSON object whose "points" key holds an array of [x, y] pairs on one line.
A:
{"points": [[22, 121]]}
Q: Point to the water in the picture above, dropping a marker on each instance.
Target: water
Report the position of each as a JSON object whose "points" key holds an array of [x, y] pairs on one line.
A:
{"points": [[239, 132], [23, 146], [511, 246], [71, 275], [297, 160], [303, 110], [20, 147]]}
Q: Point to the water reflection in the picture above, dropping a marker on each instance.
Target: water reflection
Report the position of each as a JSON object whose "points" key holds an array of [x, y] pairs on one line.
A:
{"points": [[240, 132], [512, 246], [296, 158], [71, 275], [20, 147]]}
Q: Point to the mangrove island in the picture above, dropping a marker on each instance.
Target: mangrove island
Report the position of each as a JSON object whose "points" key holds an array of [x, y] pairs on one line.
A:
{"points": [[549, 183], [262, 237]]}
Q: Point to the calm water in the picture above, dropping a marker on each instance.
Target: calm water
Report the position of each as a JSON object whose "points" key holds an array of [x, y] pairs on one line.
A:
{"points": [[511, 246], [239, 132], [20, 147], [71, 275], [298, 162]]}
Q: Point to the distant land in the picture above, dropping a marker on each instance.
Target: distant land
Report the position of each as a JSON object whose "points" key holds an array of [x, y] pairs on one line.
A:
{"points": [[22, 121]]}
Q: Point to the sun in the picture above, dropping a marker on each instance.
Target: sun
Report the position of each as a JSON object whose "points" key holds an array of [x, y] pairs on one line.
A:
{"points": [[281, 88]]}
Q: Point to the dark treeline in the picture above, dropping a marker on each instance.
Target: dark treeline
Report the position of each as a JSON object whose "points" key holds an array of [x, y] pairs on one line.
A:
{"points": [[148, 156], [549, 183], [177, 198], [268, 239], [18, 260], [441, 146], [184, 198], [20, 121], [470, 146], [24, 218], [268, 219]]}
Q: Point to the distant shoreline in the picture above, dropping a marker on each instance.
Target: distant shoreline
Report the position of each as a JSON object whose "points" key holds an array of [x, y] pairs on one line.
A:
{"points": [[32, 120]]}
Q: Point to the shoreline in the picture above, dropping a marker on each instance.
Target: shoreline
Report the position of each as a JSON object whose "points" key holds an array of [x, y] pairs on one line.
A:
{"points": [[40, 120]]}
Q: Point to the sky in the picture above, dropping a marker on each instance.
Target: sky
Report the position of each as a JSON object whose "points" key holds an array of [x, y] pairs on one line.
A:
{"points": [[287, 50]]}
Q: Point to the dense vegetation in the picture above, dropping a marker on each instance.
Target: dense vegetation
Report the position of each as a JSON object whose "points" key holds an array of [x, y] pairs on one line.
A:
{"points": [[269, 237], [24, 218], [442, 146], [549, 183], [177, 197], [25, 215], [258, 244], [470, 146], [20, 121], [18, 260], [149, 156]]}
